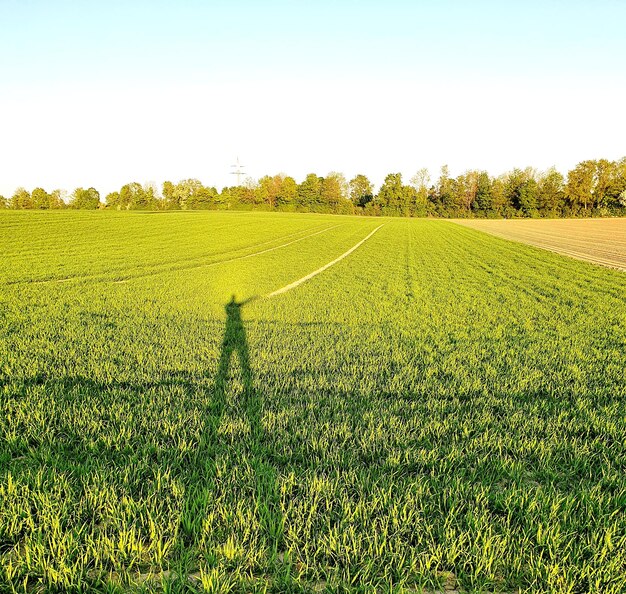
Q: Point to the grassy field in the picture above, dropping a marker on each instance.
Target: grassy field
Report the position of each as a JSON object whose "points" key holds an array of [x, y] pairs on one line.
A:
{"points": [[440, 408]]}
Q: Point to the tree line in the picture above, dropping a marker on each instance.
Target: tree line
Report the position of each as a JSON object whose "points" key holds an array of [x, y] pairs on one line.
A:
{"points": [[592, 188]]}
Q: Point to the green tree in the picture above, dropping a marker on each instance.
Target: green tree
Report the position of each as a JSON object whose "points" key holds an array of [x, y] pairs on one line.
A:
{"points": [[186, 192], [463, 193], [246, 193], [361, 190], [483, 203], [206, 198], [21, 199], [288, 196], [521, 191], [333, 192], [57, 199], [277, 191], [153, 200], [236, 197], [391, 196], [420, 182], [617, 191], [411, 205], [4, 203], [169, 198], [500, 204], [580, 185], [85, 199], [40, 199], [444, 195], [528, 198], [309, 193], [603, 182], [133, 197], [550, 193], [113, 200], [268, 190]]}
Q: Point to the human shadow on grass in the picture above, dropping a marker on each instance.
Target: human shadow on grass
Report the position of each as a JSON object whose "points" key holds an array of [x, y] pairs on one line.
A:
{"points": [[235, 346]]}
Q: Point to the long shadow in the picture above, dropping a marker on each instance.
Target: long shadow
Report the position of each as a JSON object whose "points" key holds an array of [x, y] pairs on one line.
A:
{"points": [[235, 344]]}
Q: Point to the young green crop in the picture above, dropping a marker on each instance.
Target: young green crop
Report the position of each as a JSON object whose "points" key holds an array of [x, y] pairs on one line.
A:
{"points": [[441, 407]]}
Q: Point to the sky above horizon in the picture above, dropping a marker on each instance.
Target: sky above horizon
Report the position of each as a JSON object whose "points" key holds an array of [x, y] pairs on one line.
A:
{"points": [[104, 93]]}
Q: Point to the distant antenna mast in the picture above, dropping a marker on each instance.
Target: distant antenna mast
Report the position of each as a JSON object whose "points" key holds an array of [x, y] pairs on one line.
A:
{"points": [[238, 171]]}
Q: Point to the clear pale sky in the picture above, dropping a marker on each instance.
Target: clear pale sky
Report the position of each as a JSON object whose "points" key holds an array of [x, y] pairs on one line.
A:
{"points": [[104, 93]]}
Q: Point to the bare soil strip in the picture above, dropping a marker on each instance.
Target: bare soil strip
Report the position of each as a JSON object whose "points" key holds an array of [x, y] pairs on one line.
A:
{"points": [[298, 282], [600, 241]]}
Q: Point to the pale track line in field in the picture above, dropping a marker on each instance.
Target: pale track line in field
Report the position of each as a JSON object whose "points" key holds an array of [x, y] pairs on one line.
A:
{"points": [[298, 282], [276, 247], [265, 251], [175, 268]]}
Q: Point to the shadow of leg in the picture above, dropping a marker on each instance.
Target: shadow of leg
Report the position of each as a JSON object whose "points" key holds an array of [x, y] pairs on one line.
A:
{"points": [[267, 489], [266, 484]]}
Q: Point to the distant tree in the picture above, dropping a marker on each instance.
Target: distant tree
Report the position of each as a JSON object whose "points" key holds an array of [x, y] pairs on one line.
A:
{"points": [[277, 191], [500, 205], [169, 198], [268, 190], [192, 195], [483, 202], [521, 191], [411, 202], [464, 190], [205, 198], [40, 199], [4, 203], [580, 185], [133, 197], [595, 184], [57, 199], [603, 182], [21, 199], [187, 191], [618, 187], [420, 182], [243, 196], [334, 193], [392, 197], [113, 200], [550, 193], [85, 199], [237, 197], [228, 197], [528, 198], [361, 190], [421, 179], [288, 196], [153, 199], [309, 193], [444, 193]]}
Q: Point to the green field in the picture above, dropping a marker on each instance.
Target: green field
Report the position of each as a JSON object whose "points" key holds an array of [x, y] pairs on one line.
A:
{"points": [[439, 408]]}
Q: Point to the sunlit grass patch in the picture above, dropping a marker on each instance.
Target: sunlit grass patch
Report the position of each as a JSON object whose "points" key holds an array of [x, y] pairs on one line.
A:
{"points": [[439, 408]]}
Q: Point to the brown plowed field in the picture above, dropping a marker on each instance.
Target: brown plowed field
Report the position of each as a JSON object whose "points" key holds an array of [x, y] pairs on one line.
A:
{"points": [[601, 241]]}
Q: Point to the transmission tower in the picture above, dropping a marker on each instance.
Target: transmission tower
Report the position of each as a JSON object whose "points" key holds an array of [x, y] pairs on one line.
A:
{"points": [[238, 171]]}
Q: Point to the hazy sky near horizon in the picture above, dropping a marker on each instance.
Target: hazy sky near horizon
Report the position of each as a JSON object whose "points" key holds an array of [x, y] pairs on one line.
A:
{"points": [[104, 93]]}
